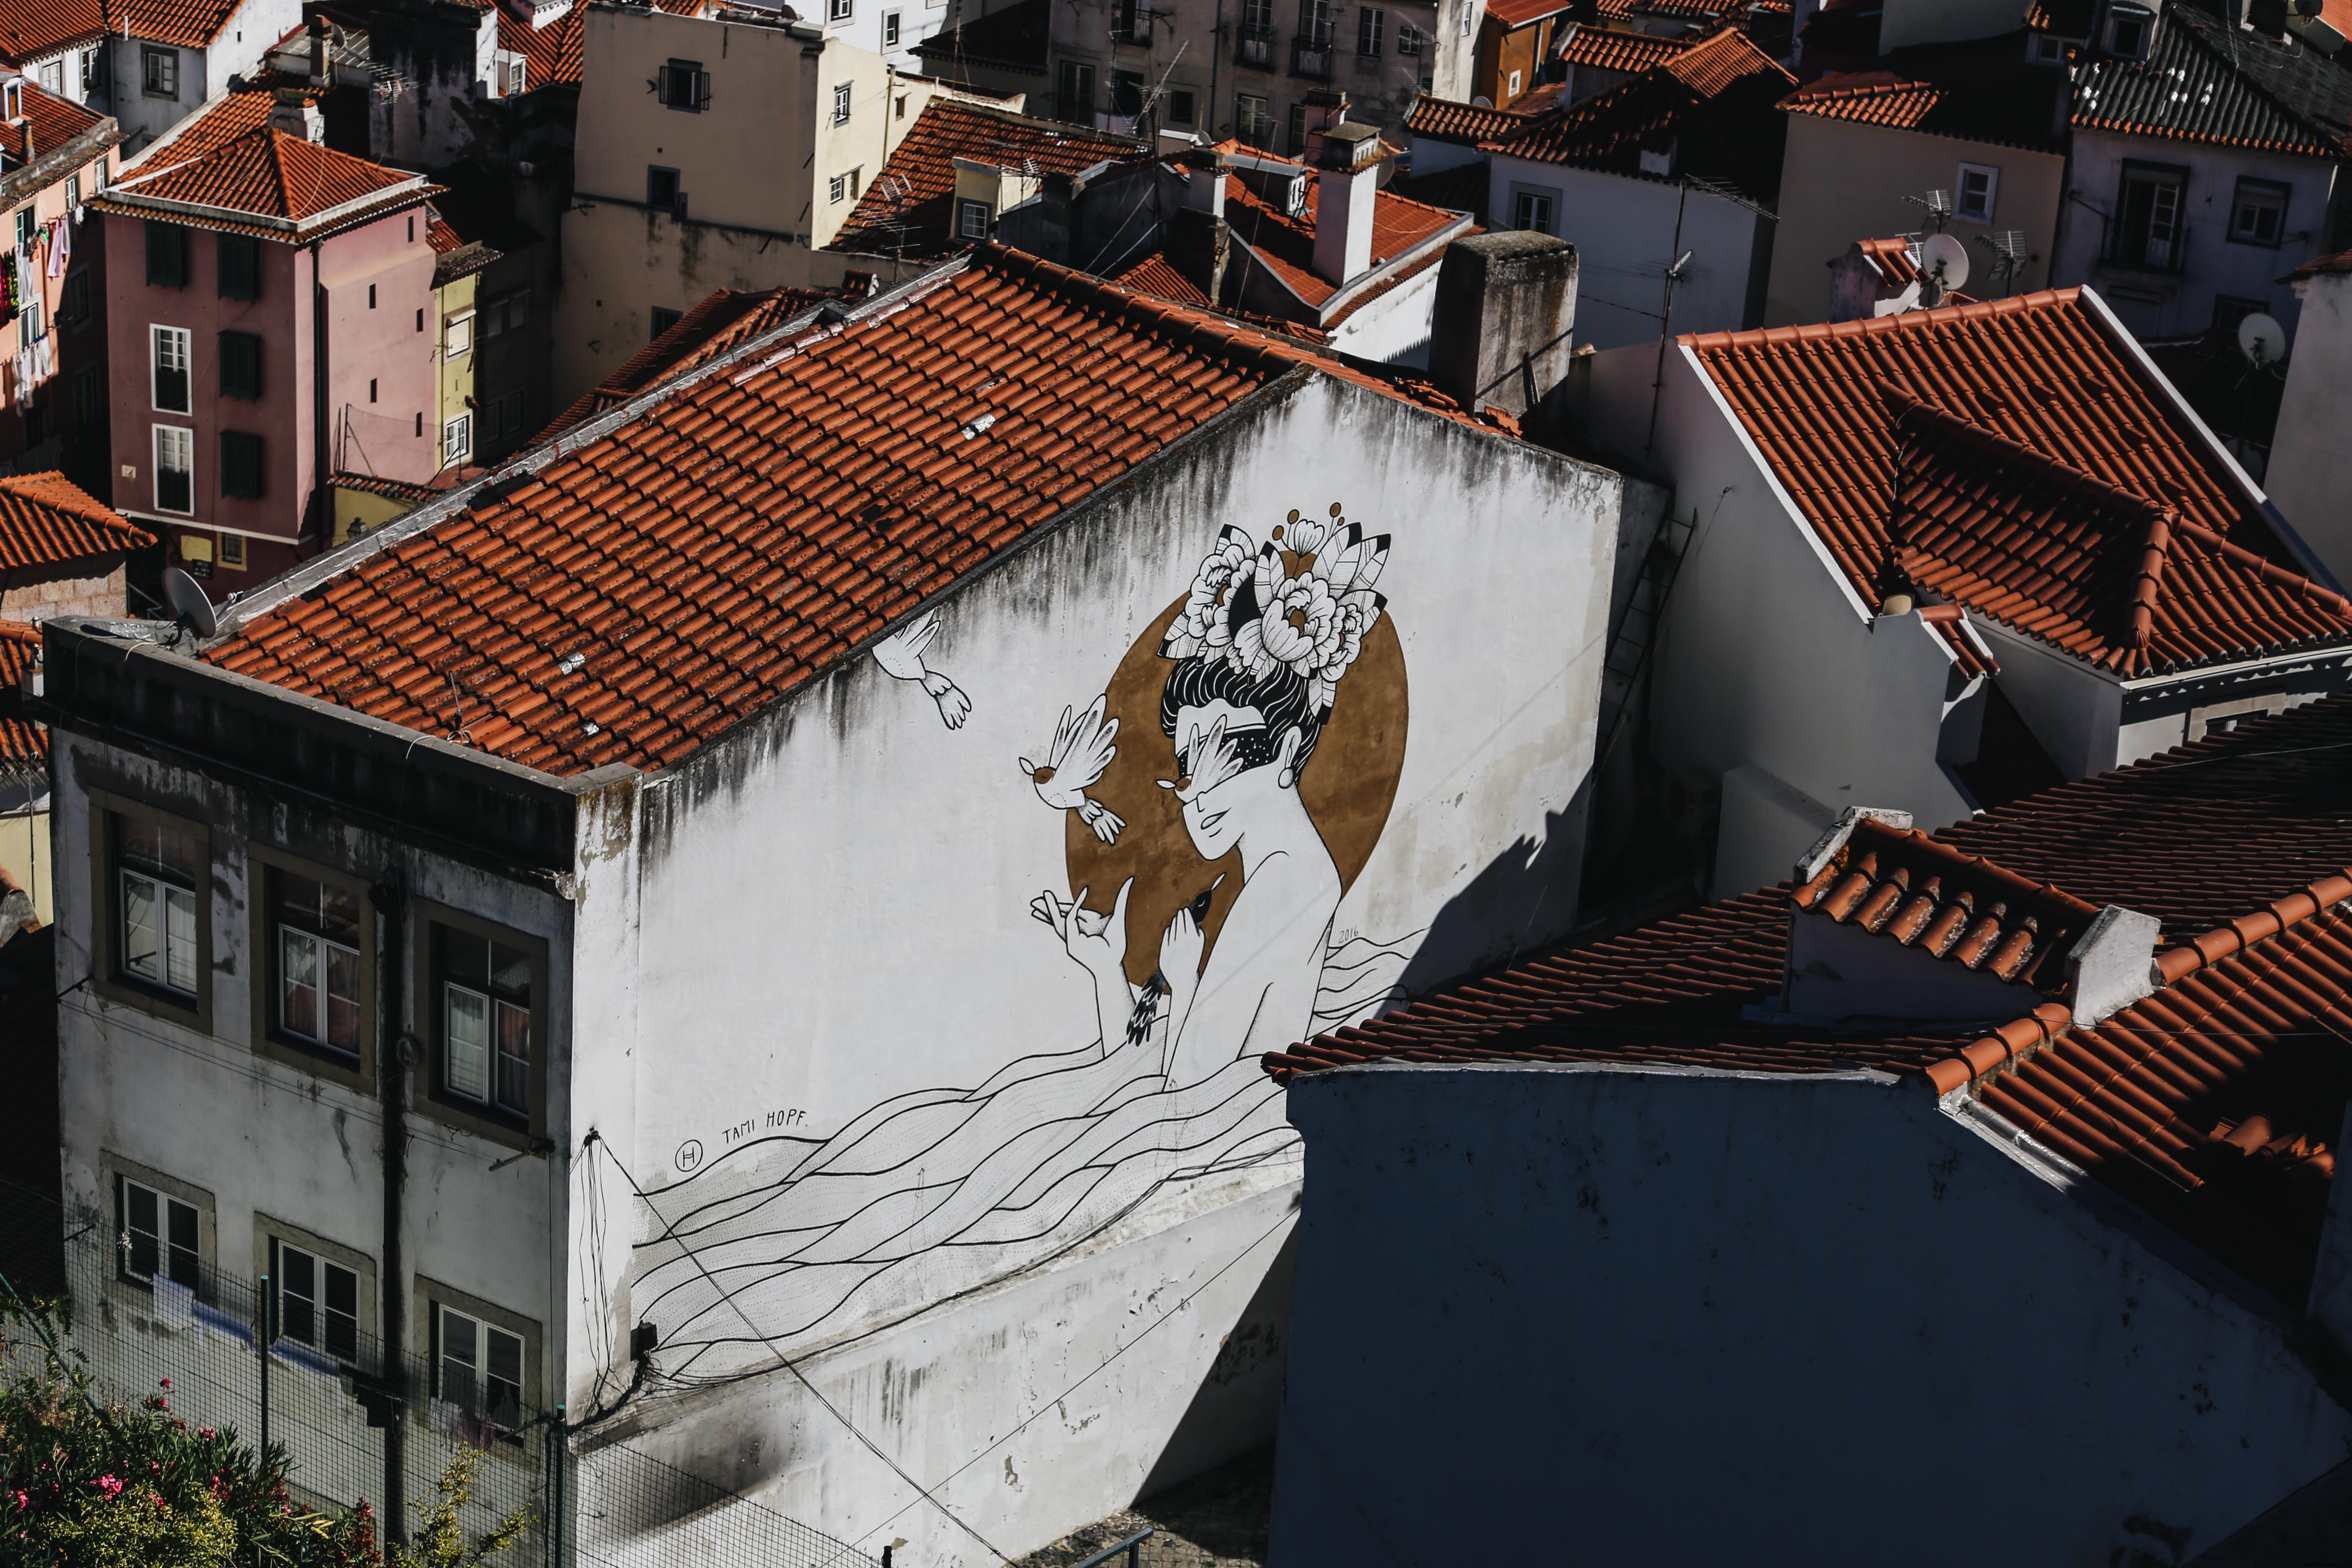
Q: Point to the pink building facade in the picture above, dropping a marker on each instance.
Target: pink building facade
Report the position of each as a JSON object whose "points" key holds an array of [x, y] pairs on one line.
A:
{"points": [[54, 155], [273, 320]]}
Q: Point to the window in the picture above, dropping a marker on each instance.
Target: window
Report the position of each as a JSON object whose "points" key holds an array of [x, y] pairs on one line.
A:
{"points": [[175, 468], [502, 419], [53, 77], [1258, 34], [664, 320], [1073, 98], [2045, 49], [2149, 230], [457, 335], [1252, 121], [477, 1367], [2228, 311], [240, 464], [661, 188], [1295, 131], [840, 103], [88, 396], [1181, 110], [684, 85], [972, 220], [1973, 199], [2258, 215], [420, 318], [1127, 93], [318, 1301], [1130, 22], [1531, 210], [98, 176], [240, 366], [157, 867], [1408, 38], [484, 1014], [2130, 29], [371, 296], [372, 389], [518, 76], [167, 255], [168, 346], [160, 1237], [32, 324], [232, 552], [88, 71], [839, 10], [457, 439], [837, 189], [238, 261], [889, 30], [1371, 24], [73, 191], [1317, 22], [159, 72], [1513, 89], [506, 313]]}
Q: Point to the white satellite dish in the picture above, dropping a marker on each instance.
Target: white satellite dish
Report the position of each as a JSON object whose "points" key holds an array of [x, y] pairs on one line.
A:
{"points": [[1946, 260], [190, 606], [2261, 340]]}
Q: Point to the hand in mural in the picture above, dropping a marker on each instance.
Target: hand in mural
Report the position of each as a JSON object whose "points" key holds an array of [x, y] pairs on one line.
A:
{"points": [[1099, 942], [1082, 749], [900, 655]]}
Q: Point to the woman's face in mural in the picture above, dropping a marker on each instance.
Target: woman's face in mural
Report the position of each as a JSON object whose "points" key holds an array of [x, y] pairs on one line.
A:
{"points": [[1223, 789]]}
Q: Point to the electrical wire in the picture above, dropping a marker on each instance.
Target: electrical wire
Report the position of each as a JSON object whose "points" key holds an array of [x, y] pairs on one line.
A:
{"points": [[793, 1367]]}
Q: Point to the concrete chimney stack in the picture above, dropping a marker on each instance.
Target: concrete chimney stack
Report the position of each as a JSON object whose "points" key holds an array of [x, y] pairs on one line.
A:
{"points": [[321, 69], [1506, 308], [1205, 193], [1346, 189], [291, 110]]}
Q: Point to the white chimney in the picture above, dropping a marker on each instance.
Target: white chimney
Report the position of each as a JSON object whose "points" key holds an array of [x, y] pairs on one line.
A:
{"points": [[1204, 190], [291, 110], [1346, 189]]}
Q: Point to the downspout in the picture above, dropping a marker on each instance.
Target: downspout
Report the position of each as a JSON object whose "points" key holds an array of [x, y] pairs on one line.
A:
{"points": [[1216, 52], [321, 494], [395, 1056]]}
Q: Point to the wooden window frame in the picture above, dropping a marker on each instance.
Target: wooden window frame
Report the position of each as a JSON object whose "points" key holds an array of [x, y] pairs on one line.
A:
{"points": [[105, 937], [263, 863]]}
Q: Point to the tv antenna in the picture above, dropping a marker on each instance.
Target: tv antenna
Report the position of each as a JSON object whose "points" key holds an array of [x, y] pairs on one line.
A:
{"points": [[1936, 206], [2260, 338], [2009, 254], [1943, 267], [192, 609]]}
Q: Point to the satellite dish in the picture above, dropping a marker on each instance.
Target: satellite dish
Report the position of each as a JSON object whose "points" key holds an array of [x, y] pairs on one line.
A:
{"points": [[2261, 340], [1945, 259], [190, 607]]}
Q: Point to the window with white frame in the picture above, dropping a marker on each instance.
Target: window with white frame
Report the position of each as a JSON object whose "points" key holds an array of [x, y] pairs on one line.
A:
{"points": [[33, 321], [477, 1367], [457, 439], [1371, 28], [158, 1236], [457, 334], [837, 189], [318, 1300], [88, 71], [485, 1019], [1972, 197], [1532, 211], [2258, 213], [889, 30], [175, 468], [840, 103], [53, 77], [972, 220], [159, 72], [840, 10], [168, 348], [157, 871], [318, 952], [1252, 121], [1408, 38]]}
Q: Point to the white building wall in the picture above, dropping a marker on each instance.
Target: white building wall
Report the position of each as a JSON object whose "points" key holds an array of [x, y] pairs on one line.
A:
{"points": [[1395, 328], [834, 922], [1862, 1330], [1624, 230], [2314, 424]]}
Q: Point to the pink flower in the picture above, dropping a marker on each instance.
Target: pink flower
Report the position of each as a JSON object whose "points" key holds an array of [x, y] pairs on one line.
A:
{"points": [[167, 1383], [206, 1433], [23, 1500], [109, 1485]]}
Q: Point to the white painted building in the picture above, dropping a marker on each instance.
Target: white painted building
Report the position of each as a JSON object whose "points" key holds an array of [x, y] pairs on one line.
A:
{"points": [[1803, 664], [830, 881], [1763, 1281], [2314, 420]]}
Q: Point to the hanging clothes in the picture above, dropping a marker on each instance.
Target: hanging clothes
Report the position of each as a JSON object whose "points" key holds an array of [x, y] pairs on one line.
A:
{"points": [[60, 246], [9, 298]]}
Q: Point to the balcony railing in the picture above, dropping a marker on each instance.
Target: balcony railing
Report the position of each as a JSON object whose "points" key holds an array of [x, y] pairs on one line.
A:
{"points": [[1311, 58], [1254, 47], [2147, 252], [1130, 24]]}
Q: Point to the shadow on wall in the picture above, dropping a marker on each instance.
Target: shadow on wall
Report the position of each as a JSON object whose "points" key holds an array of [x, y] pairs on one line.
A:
{"points": [[1525, 897], [1237, 1404]]}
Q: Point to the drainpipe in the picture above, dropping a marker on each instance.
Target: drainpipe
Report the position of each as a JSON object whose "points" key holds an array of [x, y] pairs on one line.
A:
{"points": [[322, 495], [1216, 52], [395, 1056], [890, 101]]}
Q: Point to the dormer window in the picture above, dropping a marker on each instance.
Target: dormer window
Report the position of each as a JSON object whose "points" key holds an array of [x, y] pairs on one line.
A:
{"points": [[12, 101], [2045, 49], [2130, 30]]}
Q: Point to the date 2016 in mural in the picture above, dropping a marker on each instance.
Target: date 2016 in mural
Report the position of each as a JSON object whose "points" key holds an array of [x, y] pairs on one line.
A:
{"points": [[1221, 796]]}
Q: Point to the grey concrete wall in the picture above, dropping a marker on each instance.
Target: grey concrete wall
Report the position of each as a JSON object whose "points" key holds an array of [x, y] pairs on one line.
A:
{"points": [[1577, 1316]]}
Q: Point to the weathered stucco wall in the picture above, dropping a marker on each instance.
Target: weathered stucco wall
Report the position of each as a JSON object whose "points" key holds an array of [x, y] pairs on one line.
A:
{"points": [[842, 922], [2314, 422], [1736, 1318]]}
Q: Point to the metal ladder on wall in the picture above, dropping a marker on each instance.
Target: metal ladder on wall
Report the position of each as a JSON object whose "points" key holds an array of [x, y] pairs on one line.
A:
{"points": [[1630, 641]]}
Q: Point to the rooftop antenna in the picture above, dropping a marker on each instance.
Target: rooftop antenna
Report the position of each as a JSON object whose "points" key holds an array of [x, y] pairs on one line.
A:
{"points": [[1943, 267], [1938, 208], [192, 610], [2009, 253], [2261, 340]]}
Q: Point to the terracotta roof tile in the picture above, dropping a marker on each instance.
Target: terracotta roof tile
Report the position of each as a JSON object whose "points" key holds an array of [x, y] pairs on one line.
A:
{"points": [[551, 54], [2334, 266], [265, 174], [32, 28], [1596, 48], [910, 205], [2025, 490], [24, 746], [1985, 90], [51, 120], [1515, 14], [1443, 119], [1287, 245], [47, 519], [729, 318], [1156, 275]]}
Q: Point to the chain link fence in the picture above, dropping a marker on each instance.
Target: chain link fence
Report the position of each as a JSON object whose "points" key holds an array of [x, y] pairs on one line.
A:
{"points": [[286, 1363]]}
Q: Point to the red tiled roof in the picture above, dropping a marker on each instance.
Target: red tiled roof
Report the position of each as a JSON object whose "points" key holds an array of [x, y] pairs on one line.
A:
{"points": [[229, 117], [52, 121], [190, 23], [1919, 894], [2323, 265], [2038, 412], [23, 747], [718, 323], [31, 28], [912, 201], [1981, 90], [1515, 14], [551, 54], [2212, 1104], [1156, 275], [1444, 120], [391, 490], [1596, 48], [1287, 245], [267, 173], [756, 528], [47, 519]]}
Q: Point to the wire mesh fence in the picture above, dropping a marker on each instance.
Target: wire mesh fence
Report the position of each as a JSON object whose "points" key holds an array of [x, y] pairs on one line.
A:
{"points": [[280, 1364]]}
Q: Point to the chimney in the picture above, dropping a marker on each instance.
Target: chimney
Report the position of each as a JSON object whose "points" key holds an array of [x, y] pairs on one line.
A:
{"points": [[1505, 308], [1198, 243], [320, 68], [1325, 106], [291, 110], [1204, 189], [1345, 192]]}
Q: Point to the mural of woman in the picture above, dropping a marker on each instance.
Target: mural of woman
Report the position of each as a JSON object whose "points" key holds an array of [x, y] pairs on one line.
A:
{"points": [[1235, 839]]}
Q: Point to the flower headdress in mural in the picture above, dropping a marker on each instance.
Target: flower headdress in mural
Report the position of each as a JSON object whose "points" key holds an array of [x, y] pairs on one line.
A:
{"points": [[1303, 600]]}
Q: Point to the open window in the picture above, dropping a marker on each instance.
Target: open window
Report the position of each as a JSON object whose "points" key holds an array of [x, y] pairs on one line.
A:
{"points": [[683, 85], [151, 938], [2258, 213], [484, 1010], [483, 1362], [2149, 229]]}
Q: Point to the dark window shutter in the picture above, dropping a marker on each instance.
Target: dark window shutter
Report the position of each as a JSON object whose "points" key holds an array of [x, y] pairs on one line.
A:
{"points": [[167, 255], [240, 464], [701, 90], [240, 266], [240, 366]]}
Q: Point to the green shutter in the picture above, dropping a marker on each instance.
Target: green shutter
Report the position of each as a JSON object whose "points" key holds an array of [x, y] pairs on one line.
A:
{"points": [[167, 255]]}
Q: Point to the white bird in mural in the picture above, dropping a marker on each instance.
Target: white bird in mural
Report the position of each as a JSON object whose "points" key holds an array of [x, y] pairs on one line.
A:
{"points": [[1082, 749], [900, 655]]}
